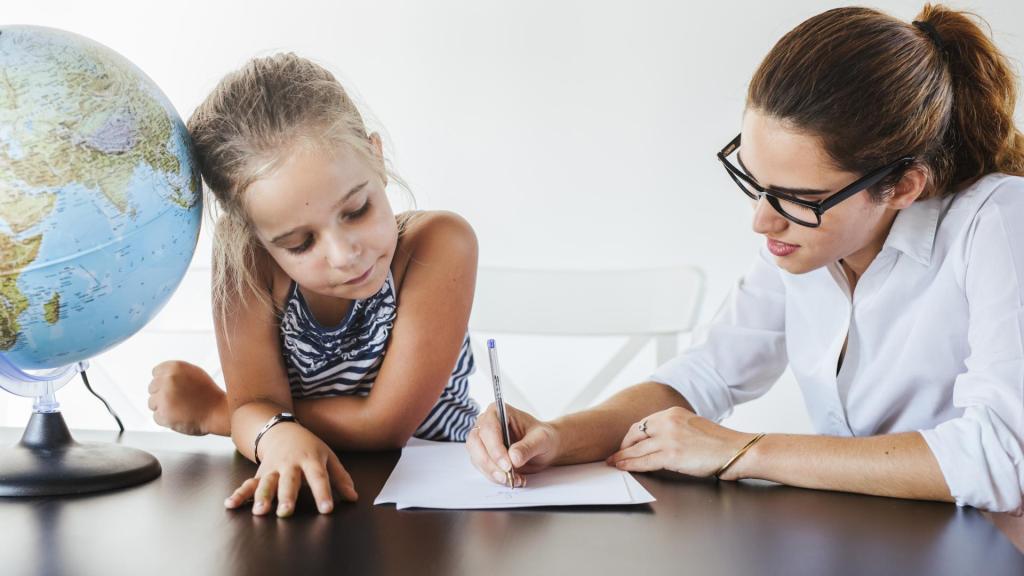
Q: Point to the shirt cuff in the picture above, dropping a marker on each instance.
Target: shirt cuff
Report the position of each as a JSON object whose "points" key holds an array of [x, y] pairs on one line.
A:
{"points": [[981, 460], [698, 384]]}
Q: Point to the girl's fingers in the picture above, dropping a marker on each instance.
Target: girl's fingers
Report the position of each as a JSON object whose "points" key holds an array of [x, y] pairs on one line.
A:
{"points": [[241, 494], [264, 495], [642, 448], [319, 484], [288, 486], [482, 460], [340, 479]]}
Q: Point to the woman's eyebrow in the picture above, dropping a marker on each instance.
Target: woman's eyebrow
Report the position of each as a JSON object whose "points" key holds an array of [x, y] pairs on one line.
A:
{"points": [[791, 191], [355, 189]]}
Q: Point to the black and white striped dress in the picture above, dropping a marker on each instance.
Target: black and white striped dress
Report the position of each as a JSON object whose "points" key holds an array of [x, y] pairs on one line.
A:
{"points": [[346, 359]]}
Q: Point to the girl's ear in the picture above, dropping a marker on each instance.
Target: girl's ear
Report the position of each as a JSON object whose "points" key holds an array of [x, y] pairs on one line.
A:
{"points": [[909, 188], [378, 147], [378, 153]]}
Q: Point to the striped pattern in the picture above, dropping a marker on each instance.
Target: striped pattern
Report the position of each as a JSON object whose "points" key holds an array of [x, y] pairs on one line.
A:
{"points": [[346, 359]]}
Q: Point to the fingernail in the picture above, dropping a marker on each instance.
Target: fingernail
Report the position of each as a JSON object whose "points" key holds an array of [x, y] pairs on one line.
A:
{"points": [[284, 510], [325, 507], [504, 465], [498, 476], [229, 502], [258, 507]]}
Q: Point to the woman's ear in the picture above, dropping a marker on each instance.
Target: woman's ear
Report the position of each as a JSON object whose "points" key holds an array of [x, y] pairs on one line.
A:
{"points": [[910, 186]]}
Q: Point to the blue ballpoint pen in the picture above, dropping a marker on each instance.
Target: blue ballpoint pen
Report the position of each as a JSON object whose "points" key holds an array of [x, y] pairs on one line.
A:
{"points": [[492, 354]]}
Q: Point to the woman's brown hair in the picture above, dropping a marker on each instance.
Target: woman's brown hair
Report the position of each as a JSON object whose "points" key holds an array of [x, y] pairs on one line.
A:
{"points": [[874, 88]]}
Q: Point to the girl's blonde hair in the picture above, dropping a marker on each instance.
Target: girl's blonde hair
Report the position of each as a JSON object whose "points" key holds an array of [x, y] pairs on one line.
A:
{"points": [[250, 124]]}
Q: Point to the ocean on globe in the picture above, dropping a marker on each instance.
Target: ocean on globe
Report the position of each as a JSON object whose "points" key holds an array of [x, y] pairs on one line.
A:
{"points": [[100, 198]]}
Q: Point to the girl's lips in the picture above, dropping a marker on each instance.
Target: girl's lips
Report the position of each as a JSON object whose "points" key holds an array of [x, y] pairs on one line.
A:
{"points": [[362, 278], [781, 248]]}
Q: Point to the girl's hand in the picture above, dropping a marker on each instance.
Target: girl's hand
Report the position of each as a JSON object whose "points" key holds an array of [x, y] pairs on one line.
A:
{"points": [[678, 440], [185, 399], [534, 447], [290, 454]]}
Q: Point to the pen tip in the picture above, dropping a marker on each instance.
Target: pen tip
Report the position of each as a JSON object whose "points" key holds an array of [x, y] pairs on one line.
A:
{"points": [[490, 343]]}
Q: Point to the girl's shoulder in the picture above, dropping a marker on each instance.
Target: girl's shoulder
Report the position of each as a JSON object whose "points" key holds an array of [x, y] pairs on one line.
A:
{"points": [[433, 237]]}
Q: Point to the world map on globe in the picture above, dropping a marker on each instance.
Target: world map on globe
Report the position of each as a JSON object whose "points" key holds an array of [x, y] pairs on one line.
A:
{"points": [[100, 198]]}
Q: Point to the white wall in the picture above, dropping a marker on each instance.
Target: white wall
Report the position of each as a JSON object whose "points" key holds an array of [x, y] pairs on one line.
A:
{"points": [[571, 134]]}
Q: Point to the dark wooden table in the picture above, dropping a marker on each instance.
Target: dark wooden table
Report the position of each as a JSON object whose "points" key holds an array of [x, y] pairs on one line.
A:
{"points": [[177, 525]]}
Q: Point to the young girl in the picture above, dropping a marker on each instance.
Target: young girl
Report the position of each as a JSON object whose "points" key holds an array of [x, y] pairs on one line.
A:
{"points": [[339, 326], [884, 168]]}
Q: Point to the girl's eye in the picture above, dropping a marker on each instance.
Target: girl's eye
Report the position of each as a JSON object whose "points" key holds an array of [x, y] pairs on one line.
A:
{"points": [[355, 215], [302, 247]]}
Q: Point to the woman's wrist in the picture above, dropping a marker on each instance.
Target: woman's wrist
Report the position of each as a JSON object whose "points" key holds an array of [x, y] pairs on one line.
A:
{"points": [[218, 421], [749, 464]]}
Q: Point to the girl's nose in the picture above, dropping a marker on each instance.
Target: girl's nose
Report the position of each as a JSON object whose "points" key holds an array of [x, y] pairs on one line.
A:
{"points": [[343, 251]]}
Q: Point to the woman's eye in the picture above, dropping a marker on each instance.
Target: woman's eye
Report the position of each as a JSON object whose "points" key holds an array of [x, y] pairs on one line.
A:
{"points": [[354, 215], [302, 247]]}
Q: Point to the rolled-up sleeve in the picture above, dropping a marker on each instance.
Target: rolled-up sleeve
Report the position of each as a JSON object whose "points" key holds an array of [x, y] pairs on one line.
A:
{"points": [[980, 452], [740, 355]]}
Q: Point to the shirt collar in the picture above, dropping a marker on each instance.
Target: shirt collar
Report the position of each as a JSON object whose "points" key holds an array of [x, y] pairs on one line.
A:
{"points": [[913, 231]]}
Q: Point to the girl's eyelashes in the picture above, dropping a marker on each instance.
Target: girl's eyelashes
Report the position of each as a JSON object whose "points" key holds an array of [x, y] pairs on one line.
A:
{"points": [[354, 215], [302, 247]]}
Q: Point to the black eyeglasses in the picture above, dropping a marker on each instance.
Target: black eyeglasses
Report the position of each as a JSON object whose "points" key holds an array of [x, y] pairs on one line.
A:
{"points": [[803, 212]]}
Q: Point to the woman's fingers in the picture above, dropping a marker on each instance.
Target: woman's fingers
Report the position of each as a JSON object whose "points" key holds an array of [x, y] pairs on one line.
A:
{"points": [[489, 429], [645, 463], [481, 459], [242, 494], [640, 449]]}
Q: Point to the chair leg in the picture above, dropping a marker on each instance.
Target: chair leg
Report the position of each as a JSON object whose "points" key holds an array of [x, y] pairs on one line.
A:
{"points": [[598, 383]]}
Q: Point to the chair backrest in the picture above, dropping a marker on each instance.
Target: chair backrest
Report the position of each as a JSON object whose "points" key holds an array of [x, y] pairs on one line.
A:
{"points": [[648, 304]]}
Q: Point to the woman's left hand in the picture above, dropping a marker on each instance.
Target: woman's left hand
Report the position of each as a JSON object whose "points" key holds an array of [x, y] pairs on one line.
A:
{"points": [[678, 440]]}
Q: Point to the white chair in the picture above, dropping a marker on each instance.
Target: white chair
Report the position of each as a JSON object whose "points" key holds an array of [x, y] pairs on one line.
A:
{"points": [[643, 305]]}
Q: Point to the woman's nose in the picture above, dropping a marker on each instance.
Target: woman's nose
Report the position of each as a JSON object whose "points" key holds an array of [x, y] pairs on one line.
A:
{"points": [[766, 219]]}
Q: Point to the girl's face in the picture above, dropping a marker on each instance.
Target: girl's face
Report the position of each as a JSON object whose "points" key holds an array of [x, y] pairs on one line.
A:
{"points": [[326, 221], [777, 156]]}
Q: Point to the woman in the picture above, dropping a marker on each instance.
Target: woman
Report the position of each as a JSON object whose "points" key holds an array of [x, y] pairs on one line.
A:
{"points": [[884, 169]]}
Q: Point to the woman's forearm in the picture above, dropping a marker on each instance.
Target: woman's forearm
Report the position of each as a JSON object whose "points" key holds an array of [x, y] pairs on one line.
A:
{"points": [[897, 465], [596, 433]]}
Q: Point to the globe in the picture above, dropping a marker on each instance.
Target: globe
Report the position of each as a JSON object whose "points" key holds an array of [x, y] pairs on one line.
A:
{"points": [[100, 198], [100, 205]]}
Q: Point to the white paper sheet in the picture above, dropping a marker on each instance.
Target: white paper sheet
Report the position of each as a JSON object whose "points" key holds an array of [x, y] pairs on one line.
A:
{"points": [[440, 475]]}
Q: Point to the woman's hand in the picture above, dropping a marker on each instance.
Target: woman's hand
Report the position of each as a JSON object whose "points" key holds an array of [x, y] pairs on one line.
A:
{"points": [[678, 440], [534, 445], [290, 454], [185, 399]]}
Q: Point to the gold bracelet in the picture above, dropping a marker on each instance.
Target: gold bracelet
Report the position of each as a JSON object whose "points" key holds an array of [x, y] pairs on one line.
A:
{"points": [[737, 455]]}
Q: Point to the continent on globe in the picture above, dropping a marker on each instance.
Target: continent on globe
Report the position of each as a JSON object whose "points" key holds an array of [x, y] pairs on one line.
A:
{"points": [[100, 197]]}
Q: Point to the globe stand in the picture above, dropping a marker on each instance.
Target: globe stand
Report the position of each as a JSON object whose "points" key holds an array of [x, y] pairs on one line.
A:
{"points": [[49, 462]]}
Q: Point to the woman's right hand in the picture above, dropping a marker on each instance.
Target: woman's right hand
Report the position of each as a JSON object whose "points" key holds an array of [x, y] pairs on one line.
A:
{"points": [[289, 454], [534, 445]]}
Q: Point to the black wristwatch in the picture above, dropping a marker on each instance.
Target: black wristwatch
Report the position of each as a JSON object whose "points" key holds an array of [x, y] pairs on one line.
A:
{"points": [[274, 421]]}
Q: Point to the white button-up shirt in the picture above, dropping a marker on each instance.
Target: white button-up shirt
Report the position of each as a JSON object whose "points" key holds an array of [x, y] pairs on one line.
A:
{"points": [[936, 341]]}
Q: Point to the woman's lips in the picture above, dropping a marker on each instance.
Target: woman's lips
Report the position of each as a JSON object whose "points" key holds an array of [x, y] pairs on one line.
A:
{"points": [[781, 248]]}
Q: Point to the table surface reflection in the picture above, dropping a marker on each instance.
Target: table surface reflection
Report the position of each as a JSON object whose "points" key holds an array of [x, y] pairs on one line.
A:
{"points": [[176, 524]]}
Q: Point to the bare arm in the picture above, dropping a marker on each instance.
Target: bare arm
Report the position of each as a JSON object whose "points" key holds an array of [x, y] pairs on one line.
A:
{"points": [[435, 298], [899, 465]]}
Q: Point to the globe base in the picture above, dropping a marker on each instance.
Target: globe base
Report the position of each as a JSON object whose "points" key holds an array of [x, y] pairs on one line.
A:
{"points": [[48, 462]]}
